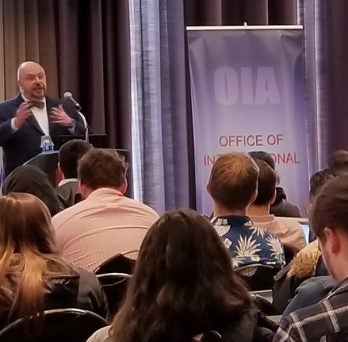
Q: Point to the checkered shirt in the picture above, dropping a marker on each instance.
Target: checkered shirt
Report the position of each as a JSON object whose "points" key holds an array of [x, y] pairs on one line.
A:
{"points": [[326, 321]]}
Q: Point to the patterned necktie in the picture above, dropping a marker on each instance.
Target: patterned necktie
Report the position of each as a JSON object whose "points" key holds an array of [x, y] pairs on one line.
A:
{"points": [[37, 104]]}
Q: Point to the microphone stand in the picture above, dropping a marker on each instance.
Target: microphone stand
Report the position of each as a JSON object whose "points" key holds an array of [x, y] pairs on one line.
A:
{"points": [[85, 124]]}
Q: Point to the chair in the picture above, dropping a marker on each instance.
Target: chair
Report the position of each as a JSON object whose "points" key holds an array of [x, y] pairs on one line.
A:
{"points": [[68, 325], [117, 263], [258, 276], [211, 336], [115, 288]]}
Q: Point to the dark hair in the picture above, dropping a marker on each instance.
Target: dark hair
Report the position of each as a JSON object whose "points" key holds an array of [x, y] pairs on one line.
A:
{"points": [[262, 155], [338, 162], [330, 207], [183, 283], [98, 168], [267, 182], [69, 155], [317, 180], [31, 180], [233, 180]]}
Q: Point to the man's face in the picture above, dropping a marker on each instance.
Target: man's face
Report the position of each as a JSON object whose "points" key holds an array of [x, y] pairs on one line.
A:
{"points": [[32, 81]]}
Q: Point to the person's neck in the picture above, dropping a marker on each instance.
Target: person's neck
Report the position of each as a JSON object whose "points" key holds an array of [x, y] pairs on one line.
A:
{"points": [[258, 210], [222, 211]]}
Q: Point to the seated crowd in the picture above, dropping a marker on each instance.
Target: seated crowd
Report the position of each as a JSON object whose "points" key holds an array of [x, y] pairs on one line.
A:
{"points": [[193, 277]]}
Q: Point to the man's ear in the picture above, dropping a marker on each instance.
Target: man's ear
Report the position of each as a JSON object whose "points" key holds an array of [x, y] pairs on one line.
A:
{"points": [[124, 186], [60, 172], [253, 197], [208, 188], [82, 189], [273, 197], [332, 240]]}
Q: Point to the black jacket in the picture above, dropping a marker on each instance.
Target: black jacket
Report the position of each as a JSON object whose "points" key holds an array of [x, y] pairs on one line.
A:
{"points": [[24, 144], [80, 290]]}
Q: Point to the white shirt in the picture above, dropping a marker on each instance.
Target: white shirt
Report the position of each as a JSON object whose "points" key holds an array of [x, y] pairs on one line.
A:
{"points": [[106, 223], [40, 115]]}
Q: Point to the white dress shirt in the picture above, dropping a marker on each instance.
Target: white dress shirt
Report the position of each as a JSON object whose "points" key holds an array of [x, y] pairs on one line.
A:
{"points": [[40, 115]]}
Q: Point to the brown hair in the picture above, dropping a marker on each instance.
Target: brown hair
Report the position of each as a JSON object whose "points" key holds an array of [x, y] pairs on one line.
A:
{"points": [[233, 180], [330, 207], [98, 169], [267, 182], [183, 283], [27, 255]]}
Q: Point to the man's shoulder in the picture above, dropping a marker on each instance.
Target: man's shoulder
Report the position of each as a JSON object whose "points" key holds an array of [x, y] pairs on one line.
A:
{"points": [[325, 318], [140, 206], [12, 102]]}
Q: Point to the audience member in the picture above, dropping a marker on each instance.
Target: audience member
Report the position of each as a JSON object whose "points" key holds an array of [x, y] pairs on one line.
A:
{"points": [[184, 286], [233, 187], [32, 180], [305, 263], [280, 206], [289, 232], [338, 162], [106, 222], [33, 277], [68, 157], [328, 319]]}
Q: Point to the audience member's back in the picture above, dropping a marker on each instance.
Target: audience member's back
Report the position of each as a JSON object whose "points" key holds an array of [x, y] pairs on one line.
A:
{"points": [[68, 157], [288, 230], [33, 276], [326, 320], [106, 222], [233, 186], [184, 286]]}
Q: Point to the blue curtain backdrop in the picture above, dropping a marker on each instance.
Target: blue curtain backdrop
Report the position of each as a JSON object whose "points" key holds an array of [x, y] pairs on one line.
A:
{"points": [[326, 24], [159, 118]]}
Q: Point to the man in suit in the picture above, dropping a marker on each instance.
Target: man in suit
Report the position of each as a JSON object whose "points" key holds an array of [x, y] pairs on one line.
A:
{"points": [[31, 115]]}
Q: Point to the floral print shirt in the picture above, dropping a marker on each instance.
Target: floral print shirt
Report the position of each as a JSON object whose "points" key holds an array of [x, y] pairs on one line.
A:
{"points": [[249, 244]]}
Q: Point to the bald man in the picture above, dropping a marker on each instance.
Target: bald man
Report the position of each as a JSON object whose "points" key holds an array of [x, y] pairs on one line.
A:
{"points": [[31, 115]]}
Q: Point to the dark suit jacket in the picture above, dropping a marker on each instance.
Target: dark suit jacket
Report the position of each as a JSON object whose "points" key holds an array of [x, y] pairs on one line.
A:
{"points": [[24, 144], [68, 194]]}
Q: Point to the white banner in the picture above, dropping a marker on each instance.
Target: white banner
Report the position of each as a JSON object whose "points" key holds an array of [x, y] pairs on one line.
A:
{"points": [[247, 89]]}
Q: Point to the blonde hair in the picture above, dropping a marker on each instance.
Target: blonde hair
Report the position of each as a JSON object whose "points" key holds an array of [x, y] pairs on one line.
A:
{"points": [[27, 255], [233, 180]]}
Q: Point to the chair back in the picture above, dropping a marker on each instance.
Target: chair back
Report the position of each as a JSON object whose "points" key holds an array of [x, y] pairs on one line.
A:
{"points": [[115, 288], [258, 276], [117, 263], [68, 325]]}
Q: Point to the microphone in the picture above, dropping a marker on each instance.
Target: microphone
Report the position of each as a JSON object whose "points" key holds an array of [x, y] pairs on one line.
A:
{"points": [[68, 96]]}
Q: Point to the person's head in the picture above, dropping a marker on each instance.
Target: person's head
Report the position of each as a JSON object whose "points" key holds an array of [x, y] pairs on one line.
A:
{"points": [[262, 155], [101, 169], [233, 181], [267, 181], [27, 255], [329, 221], [183, 280], [25, 224], [69, 155], [30, 179], [31, 80], [317, 180], [338, 162]]}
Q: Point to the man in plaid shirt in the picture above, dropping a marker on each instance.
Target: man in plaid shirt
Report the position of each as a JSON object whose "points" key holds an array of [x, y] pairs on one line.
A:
{"points": [[328, 319]]}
